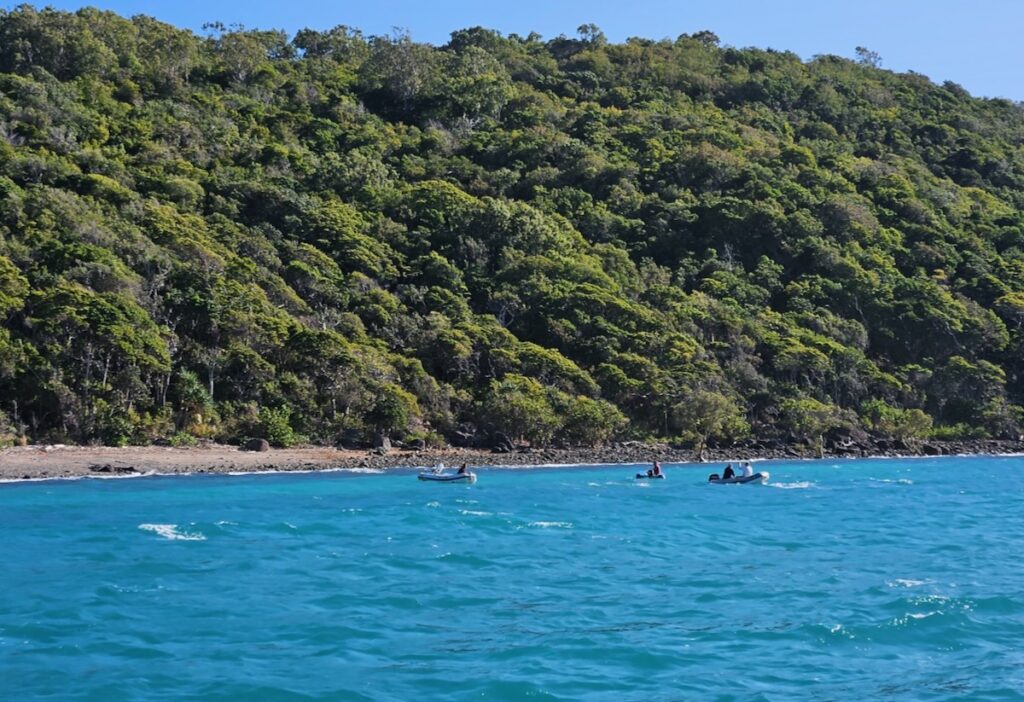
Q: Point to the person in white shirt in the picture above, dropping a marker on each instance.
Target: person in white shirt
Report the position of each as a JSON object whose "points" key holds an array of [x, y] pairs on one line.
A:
{"points": [[748, 470]]}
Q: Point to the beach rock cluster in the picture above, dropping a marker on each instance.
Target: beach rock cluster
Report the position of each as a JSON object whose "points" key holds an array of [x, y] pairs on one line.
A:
{"points": [[256, 445], [508, 454], [113, 469]]}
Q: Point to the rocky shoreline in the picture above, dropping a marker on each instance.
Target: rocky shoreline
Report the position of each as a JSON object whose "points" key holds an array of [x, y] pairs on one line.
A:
{"points": [[44, 462]]}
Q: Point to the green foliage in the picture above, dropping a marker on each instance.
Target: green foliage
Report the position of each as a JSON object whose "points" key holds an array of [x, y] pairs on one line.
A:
{"points": [[811, 418], [275, 426], [182, 440], [8, 432], [393, 409], [588, 422], [879, 416], [431, 439], [562, 240], [705, 414], [13, 287], [519, 407]]}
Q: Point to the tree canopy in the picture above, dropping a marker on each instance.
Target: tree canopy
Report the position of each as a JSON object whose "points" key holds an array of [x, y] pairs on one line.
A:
{"points": [[563, 241]]}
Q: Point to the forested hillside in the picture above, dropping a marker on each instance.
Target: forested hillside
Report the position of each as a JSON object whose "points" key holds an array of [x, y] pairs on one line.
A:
{"points": [[563, 241]]}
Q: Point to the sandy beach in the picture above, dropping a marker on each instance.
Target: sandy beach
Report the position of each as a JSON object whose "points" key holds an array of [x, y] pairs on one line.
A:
{"points": [[60, 461]]}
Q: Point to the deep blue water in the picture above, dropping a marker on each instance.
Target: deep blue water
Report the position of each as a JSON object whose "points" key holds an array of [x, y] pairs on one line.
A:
{"points": [[867, 579]]}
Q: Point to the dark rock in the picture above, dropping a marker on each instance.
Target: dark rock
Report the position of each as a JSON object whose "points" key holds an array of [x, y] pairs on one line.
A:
{"points": [[931, 450], [846, 435], [502, 443], [350, 439], [466, 436], [256, 445], [117, 470], [379, 451], [464, 439], [381, 441], [416, 445]]}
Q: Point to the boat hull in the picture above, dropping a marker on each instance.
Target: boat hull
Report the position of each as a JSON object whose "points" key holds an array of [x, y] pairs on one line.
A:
{"points": [[448, 477], [755, 479]]}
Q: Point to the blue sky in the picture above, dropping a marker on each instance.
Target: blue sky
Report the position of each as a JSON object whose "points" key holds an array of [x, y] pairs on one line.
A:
{"points": [[975, 43]]}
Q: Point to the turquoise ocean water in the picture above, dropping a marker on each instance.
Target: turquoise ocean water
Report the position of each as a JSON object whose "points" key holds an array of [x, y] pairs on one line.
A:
{"points": [[846, 580]]}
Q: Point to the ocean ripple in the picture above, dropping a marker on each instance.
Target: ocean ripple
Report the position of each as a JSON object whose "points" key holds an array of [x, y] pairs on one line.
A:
{"points": [[866, 579]]}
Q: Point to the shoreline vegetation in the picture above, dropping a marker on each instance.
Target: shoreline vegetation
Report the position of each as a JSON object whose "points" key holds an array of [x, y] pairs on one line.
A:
{"points": [[330, 237], [59, 461]]}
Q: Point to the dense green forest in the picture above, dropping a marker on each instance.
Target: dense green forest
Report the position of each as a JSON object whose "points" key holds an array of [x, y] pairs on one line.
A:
{"points": [[563, 241]]}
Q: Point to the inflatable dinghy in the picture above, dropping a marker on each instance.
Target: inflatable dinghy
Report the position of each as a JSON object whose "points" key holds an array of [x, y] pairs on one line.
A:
{"points": [[449, 477], [755, 479], [644, 476]]}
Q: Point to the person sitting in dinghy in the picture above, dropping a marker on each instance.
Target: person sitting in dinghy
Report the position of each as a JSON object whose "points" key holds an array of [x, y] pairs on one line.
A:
{"points": [[462, 469], [728, 472], [748, 470]]}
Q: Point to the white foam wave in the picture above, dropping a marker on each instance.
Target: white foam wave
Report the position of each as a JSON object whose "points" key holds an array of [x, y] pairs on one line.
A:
{"points": [[474, 513], [906, 618], [170, 531], [121, 476], [551, 525], [300, 471], [840, 630], [799, 485], [434, 504], [905, 582]]}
